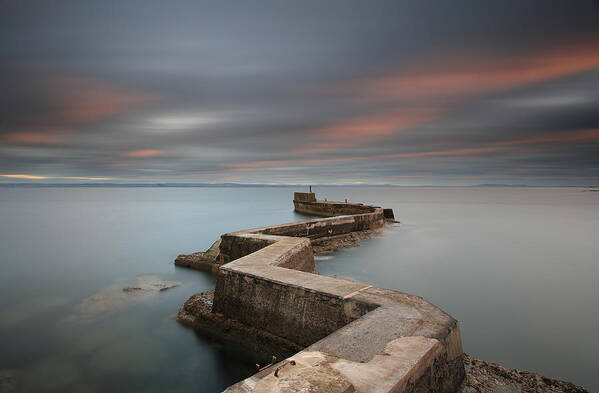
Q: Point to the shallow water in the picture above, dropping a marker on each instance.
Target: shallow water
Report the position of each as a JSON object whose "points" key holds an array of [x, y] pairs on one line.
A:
{"points": [[61, 246], [516, 267]]}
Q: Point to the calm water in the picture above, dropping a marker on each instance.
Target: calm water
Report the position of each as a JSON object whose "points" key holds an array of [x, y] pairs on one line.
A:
{"points": [[517, 267]]}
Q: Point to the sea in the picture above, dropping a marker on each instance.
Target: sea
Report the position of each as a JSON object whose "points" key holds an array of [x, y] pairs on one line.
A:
{"points": [[517, 267]]}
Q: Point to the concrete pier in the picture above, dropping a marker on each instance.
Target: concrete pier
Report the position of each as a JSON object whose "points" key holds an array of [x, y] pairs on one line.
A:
{"points": [[356, 338]]}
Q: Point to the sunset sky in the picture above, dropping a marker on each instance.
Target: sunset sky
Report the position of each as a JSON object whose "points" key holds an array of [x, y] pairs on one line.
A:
{"points": [[322, 92]]}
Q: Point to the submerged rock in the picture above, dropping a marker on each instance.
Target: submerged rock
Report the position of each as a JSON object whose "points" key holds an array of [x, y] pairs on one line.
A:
{"points": [[9, 380], [117, 297], [149, 283], [327, 245]]}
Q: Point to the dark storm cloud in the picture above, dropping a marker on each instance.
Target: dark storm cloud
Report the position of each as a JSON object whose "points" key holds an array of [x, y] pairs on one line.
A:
{"points": [[406, 92]]}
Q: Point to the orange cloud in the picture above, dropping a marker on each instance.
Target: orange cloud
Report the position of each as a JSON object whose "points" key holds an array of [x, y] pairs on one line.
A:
{"points": [[31, 137], [47, 137], [117, 165], [445, 78], [24, 177], [84, 99], [376, 125], [142, 153], [35, 177], [64, 99], [359, 130], [488, 148], [460, 77], [453, 152]]}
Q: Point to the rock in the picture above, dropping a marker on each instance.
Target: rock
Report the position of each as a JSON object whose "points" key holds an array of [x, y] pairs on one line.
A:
{"points": [[506, 389], [484, 377], [327, 245], [131, 289], [114, 297], [150, 283], [202, 260], [9, 380]]}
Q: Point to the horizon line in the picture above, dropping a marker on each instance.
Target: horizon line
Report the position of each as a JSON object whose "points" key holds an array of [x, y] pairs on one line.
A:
{"points": [[216, 185]]}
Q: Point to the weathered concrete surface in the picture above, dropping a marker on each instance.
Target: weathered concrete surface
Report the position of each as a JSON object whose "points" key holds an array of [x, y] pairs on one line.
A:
{"points": [[197, 313], [306, 203], [304, 196], [410, 364], [330, 209]]}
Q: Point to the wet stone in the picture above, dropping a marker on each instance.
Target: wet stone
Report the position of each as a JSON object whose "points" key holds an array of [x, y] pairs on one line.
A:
{"points": [[9, 379], [117, 297]]}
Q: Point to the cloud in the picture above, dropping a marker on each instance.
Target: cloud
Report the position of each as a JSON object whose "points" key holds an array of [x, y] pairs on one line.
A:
{"points": [[42, 136], [358, 131], [142, 153], [32, 137], [460, 153], [352, 91], [181, 122], [564, 137], [42, 97], [468, 75], [21, 176], [426, 94], [37, 177], [85, 99]]}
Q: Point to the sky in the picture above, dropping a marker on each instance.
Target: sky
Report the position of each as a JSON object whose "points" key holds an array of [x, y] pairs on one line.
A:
{"points": [[312, 92]]}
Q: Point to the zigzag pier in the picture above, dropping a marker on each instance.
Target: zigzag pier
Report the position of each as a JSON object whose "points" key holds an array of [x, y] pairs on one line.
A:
{"points": [[337, 335]]}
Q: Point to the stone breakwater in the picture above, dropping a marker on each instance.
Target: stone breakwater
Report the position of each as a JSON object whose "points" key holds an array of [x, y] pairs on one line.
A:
{"points": [[335, 335], [351, 337]]}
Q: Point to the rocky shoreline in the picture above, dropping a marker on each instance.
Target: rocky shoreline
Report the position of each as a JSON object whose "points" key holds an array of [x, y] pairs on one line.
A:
{"points": [[201, 260], [328, 245], [485, 377]]}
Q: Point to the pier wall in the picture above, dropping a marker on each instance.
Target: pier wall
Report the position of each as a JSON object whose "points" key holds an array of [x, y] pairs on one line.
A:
{"points": [[306, 203], [356, 338], [238, 244], [295, 313]]}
